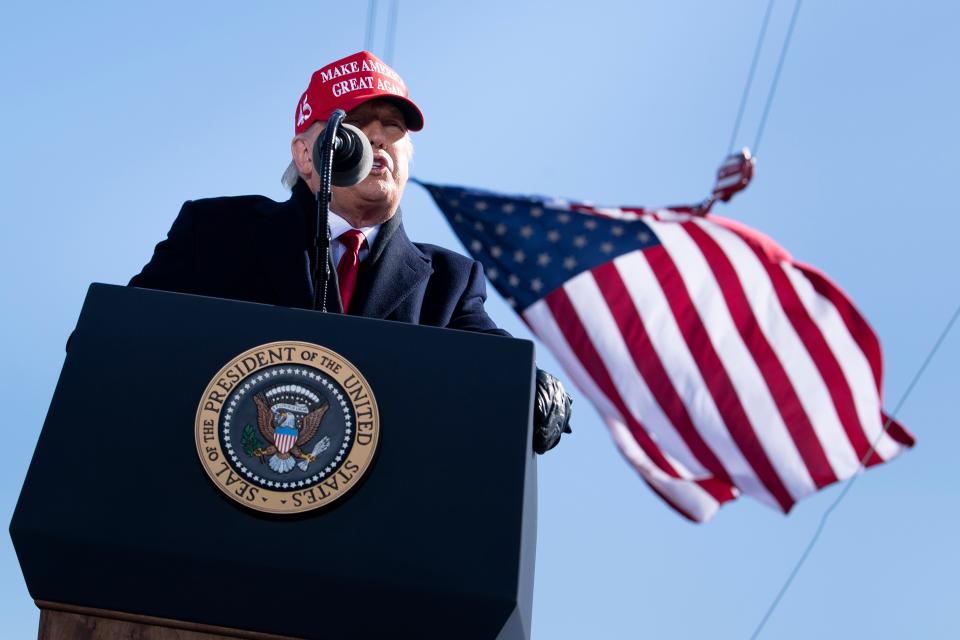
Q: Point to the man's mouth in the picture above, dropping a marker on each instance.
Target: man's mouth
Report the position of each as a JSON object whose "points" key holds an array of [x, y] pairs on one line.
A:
{"points": [[381, 164]]}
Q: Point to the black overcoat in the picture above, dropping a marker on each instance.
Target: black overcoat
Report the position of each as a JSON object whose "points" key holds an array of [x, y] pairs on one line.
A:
{"points": [[255, 249]]}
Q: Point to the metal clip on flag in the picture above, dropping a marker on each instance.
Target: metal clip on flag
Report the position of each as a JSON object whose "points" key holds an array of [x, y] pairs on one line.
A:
{"points": [[733, 176]]}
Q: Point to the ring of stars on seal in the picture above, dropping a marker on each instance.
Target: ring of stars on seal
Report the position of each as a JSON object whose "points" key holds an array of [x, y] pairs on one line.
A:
{"points": [[287, 427], [238, 397]]}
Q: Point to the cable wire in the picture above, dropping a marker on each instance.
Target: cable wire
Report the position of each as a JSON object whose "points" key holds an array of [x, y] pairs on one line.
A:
{"points": [[391, 31], [753, 69], [371, 24], [776, 76], [853, 478]]}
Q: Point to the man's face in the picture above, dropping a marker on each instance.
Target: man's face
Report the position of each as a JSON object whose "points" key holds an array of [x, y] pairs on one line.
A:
{"points": [[384, 125]]}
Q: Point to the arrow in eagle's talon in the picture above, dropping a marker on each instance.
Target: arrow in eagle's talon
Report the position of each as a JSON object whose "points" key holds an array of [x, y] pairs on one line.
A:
{"points": [[317, 448]]}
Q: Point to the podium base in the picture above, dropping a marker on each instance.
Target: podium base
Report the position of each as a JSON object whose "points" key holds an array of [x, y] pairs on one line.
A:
{"points": [[69, 622]]}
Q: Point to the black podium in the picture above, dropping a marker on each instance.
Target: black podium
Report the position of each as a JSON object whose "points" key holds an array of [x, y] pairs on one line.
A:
{"points": [[437, 540]]}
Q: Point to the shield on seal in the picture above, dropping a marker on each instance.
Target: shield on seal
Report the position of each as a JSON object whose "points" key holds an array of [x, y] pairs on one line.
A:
{"points": [[284, 437]]}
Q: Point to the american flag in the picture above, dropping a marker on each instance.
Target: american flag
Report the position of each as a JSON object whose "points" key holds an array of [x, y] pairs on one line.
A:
{"points": [[720, 365]]}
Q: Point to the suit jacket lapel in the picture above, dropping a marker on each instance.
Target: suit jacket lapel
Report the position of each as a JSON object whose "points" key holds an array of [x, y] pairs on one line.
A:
{"points": [[390, 273]]}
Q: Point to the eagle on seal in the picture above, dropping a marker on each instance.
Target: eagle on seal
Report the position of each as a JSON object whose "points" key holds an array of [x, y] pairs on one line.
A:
{"points": [[286, 433]]}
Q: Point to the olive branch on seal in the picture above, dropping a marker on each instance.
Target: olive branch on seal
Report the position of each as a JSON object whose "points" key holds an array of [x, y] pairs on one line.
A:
{"points": [[249, 441]]}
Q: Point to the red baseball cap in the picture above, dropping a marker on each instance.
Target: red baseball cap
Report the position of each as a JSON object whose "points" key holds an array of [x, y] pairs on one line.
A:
{"points": [[349, 82]]}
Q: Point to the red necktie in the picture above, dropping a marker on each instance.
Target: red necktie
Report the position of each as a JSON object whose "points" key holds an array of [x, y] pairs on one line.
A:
{"points": [[349, 264]]}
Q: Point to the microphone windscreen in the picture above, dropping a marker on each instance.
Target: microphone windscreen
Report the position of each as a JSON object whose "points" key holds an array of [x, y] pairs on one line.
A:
{"points": [[353, 159]]}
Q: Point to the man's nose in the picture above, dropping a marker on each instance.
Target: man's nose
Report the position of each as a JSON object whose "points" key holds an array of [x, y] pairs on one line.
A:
{"points": [[375, 133]]}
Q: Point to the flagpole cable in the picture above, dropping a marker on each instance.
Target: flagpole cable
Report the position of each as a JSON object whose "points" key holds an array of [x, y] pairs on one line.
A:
{"points": [[391, 31], [776, 76], [849, 483], [371, 24], [753, 69]]}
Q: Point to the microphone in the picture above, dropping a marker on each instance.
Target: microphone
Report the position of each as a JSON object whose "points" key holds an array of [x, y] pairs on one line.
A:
{"points": [[352, 156], [342, 156]]}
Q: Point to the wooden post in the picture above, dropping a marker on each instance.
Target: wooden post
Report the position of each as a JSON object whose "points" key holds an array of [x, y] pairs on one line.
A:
{"points": [[69, 622]]}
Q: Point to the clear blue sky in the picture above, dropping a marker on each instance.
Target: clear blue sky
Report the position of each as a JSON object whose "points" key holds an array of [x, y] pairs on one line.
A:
{"points": [[113, 114]]}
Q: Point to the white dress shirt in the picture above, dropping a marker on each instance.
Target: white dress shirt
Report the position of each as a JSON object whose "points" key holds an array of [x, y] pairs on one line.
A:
{"points": [[337, 228]]}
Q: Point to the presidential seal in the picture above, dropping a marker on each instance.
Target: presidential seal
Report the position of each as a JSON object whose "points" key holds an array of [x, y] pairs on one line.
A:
{"points": [[287, 427]]}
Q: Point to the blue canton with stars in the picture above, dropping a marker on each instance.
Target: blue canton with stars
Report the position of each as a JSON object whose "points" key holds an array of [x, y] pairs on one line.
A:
{"points": [[530, 246]]}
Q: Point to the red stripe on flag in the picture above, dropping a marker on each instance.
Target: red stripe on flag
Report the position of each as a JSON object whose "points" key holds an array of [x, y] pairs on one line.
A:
{"points": [[898, 432], [572, 328], [648, 363], [856, 324], [714, 374], [858, 327], [778, 383], [823, 357]]}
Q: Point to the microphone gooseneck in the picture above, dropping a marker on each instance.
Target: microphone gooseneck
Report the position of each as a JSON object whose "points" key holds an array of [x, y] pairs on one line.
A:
{"points": [[342, 155]]}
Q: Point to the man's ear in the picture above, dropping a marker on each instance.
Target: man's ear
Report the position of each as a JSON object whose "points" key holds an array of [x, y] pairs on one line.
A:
{"points": [[302, 154]]}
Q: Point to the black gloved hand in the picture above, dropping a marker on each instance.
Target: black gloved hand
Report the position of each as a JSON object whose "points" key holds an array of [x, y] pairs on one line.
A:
{"points": [[551, 415]]}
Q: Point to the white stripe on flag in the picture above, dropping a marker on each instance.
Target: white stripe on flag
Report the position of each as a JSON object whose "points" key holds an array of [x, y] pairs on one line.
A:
{"points": [[587, 299], [699, 504], [856, 368], [739, 364], [691, 498], [684, 374], [797, 362]]}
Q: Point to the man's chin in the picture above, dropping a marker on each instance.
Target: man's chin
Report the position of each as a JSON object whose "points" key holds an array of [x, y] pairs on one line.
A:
{"points": [[379, 186], [378, 192], [382, 181]]}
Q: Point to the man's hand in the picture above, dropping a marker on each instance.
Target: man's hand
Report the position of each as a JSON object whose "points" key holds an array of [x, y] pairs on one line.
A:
{"points": [[551, 415]]}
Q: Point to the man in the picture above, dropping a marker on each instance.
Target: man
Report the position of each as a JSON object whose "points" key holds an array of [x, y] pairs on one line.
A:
{"points": [[252, 248]]}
